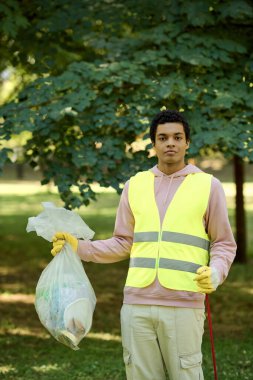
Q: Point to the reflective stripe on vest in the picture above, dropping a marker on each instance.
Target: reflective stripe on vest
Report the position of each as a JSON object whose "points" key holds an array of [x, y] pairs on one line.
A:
{"points": [[185, 266], [175, 237], [174, 252]]}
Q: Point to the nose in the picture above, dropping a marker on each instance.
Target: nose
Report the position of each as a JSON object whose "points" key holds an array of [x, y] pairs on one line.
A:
{"points": [[170, 141]]}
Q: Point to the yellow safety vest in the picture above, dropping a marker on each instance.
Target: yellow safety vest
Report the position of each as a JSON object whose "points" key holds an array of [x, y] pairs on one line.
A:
{"points": [[175, 250]]}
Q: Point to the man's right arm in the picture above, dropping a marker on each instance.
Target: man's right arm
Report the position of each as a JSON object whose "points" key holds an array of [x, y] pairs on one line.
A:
{"points": [[119, 246]]}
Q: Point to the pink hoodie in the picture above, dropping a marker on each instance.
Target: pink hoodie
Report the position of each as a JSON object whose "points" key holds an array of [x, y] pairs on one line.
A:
{"points": [[117, 248]]}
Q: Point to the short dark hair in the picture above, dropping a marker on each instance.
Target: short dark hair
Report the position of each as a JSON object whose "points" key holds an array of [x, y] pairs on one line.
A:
{"points": [[168, 116]]}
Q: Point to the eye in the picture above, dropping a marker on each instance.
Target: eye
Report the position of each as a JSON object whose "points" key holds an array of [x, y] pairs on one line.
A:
{"points": [[178, 138]]}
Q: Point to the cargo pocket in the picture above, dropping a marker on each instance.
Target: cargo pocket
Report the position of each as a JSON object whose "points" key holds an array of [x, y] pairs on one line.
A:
{"points": [[191, 361], [126, 357], [128, 364]]}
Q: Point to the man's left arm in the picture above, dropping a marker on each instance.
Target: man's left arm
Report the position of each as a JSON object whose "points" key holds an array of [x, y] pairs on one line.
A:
{"points": [[223, 246]]}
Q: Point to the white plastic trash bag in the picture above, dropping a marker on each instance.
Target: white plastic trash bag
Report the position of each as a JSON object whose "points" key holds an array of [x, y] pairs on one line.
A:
{"points": [[64, 300]]}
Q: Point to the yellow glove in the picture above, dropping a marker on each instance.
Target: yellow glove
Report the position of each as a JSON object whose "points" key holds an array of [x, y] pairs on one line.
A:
{"points": [[59, 240], [207, 279]]}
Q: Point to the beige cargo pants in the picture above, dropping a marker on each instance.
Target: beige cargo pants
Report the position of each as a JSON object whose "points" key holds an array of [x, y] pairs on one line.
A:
{"points": [[157, 339]]}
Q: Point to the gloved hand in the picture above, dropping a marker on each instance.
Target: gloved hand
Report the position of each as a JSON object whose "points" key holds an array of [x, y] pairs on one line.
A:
{"points": [[207, 279], [59, 240]]}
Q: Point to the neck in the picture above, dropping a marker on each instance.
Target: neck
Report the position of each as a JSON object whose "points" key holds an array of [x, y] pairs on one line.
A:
{"points": [[169, 169]]}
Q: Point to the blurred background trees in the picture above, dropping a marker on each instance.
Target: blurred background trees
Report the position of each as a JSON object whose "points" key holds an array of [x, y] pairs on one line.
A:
{"points": [[88, 76]]}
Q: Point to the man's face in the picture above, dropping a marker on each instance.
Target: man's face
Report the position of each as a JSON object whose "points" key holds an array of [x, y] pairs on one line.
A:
{"points": [[170, 145]]}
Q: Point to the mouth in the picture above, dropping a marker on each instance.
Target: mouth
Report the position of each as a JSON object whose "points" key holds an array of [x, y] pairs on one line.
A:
{"points": [[169, 152]]}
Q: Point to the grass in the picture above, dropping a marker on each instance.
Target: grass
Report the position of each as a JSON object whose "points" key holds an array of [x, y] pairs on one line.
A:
{"points": [[27, 350]]}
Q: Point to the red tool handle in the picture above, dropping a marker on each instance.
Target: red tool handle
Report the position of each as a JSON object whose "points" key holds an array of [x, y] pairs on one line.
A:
{"points": [[211, 336]]}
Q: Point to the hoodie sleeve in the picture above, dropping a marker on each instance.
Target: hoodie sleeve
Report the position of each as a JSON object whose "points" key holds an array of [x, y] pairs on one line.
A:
{"points": [[223, 246], [119, 246]]}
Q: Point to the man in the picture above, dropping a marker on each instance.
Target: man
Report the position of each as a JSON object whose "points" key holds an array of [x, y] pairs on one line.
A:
{"points": [[172, 221]]}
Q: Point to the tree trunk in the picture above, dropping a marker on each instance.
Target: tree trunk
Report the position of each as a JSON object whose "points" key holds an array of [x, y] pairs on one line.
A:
{"points": [[19, 171], [240, 222]]}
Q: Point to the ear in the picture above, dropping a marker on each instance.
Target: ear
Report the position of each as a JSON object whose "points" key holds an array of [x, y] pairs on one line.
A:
{"points": [[187, 144]]}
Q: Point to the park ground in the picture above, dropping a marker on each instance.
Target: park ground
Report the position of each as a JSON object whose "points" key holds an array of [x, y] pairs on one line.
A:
{"points": [[27, 350]]}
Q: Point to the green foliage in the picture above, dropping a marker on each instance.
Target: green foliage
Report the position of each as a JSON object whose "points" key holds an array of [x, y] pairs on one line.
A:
{"points": [[104, 69], [12, 18], [3, 156]]}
